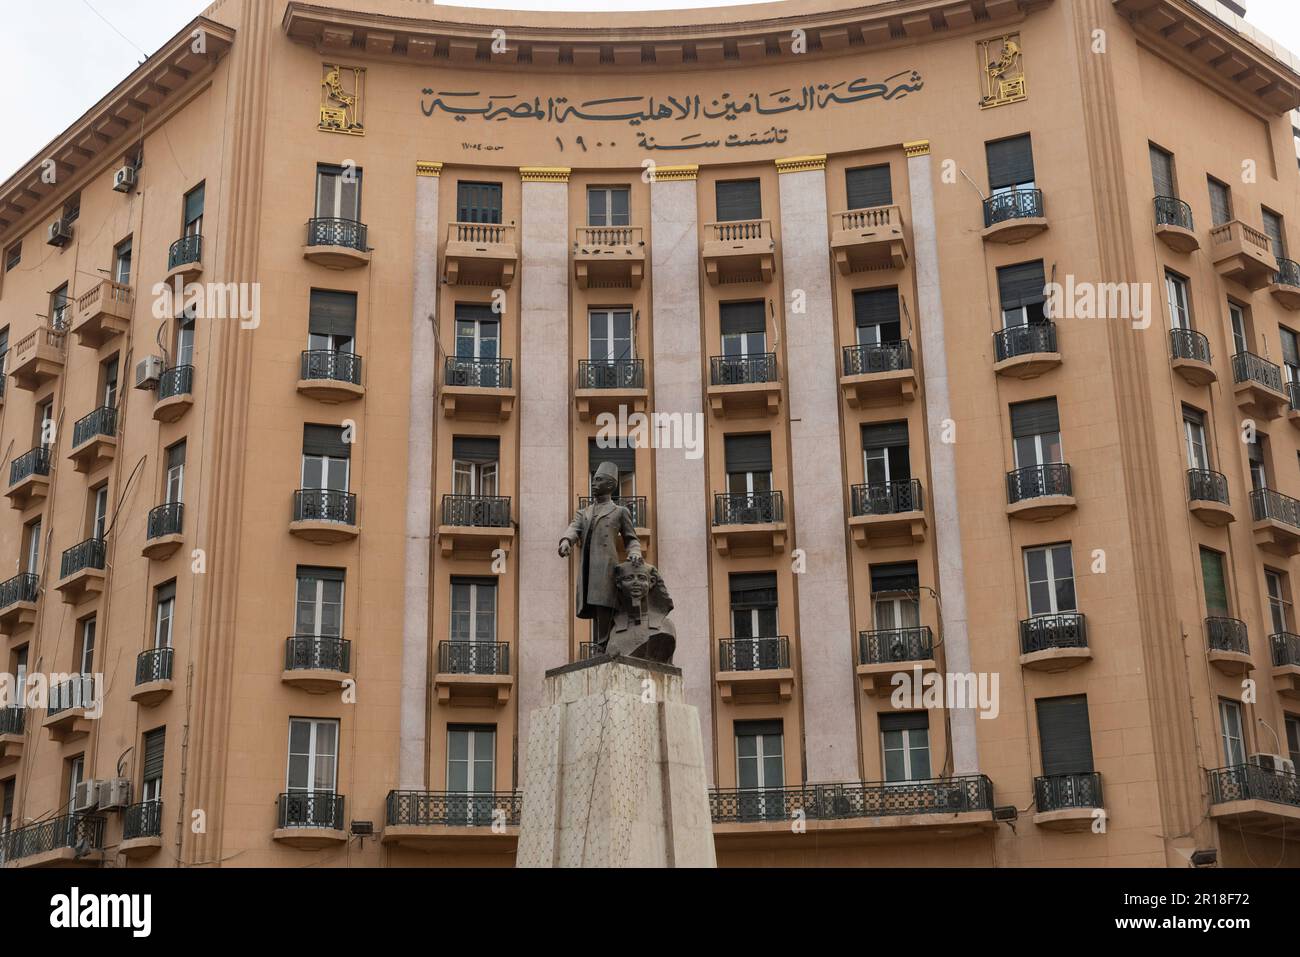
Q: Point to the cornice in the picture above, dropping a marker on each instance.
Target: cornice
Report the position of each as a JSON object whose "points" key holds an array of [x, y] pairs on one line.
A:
{"points": [[544, 174], [800, 164]]}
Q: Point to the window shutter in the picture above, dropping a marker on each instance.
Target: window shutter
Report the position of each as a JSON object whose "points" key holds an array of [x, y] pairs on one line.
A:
{"points": [[1216, 590], [1194, 416], [333, 313], [907, 721], [739, 318], [883, 435], [1273, 229], [869, 186], [739, 199], [1255, 452], [1162, 171], [480, 311], [164, 592], [749, 453], [750, 729], [1038, 417], [623, 455], [1220, 203], [1022, 284], [896, 576], [320, 574], [478, 202], [475, 448], [325, 440], [1064, 735], [176, 455], [1011, 161], [193, 204], [1290, 351], [753, 590], [154, 748], [872, 306]]}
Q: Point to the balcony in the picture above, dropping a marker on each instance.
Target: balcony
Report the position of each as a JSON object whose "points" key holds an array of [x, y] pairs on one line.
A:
{"points": [[1054, 643], [317, 663], [66, 713], [481, 254], [1293, 403], [475, 525], [744, 385], [1025, 352], [94, 440], [1286, 663], [1258, 800], [1243, 254], [29, 479], [637, 505], [163, 532], [1189, 353], [949, 806], [310, 820], [1258, 386], [473, 673], [1285, 286], [329, 376], [1014, 217], [755, 670], [12, 720], [81, 572], [887, 511], [878, 374], [336, 243], [175, 393], [153, 676], [883, 653], [478, 388], [324, 516], [66, 841], [1174, 225], [18, 597], [740, 251], [1228, 647], [1277, 521], [606, 385], [37, 358], [1067, 802], [1207, 497], [749, 523], [185, 259], [1039, 493], [141, 829], [102, 313], [454, 821], [867, 239], [607, 257]]}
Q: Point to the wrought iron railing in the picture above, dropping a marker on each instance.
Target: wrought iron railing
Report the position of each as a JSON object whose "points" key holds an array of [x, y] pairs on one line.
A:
{"points": [[322, 809], [154, 664], [11, 720], [877, 357], [1042, 632], [1015, 204], [142, 820], [1037, 481], [887, 498], [188, 249], [166, 519], [35, 462], [611, 373], [1172, 211], [1057, 792], [636, 504], [317, 653], [1288, 273], [885, 646], [325, 505], [1293, 396], [479, 373], [1227, 634], [1024, 340], [88, 554], [324, 231], [1286, 648], [1206, 485], [1189, 344], [831, 802], [81, 832], [748, 508], [1268, 504], [453, 808], [489, 511], [103, 421], [331, 366], [742, 370], [473, 658], [77, 692], [25, 587], [178, 380], [1248, 367], [1250, 782], [753, 654]]}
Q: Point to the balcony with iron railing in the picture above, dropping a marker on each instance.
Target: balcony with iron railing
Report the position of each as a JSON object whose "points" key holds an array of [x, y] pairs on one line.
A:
{"points": [[1243, 254], [29, 478], [1014, 216], [1258, 386], [1189, 353], [881, 511], [164, 531], [1174, 224], [475, 525], [141, 829], [885, 652], [82, 571], [1293, 402], [1255, 799], [153, 676], [1285, 287], [1276, 520], [185, 258], [755, 670], [1040, 492], [739, 251], [606, 385], [38, 357], [70, 701], [310, 819], [102, 313], [481, 254], [324, 516], [18, 598], [478, 388], [877, 372], [1207, 497], [473, 673], [1054, 642], [94, 440], [609, 257], [869, 238], [316, 663], [749, 522], [482, 821], [744, 385], [329, 375], [1285, 649], [12, 723], [1026, 351], [175, 393], [337, 243], [1067, 802], [66, 840], [1228, 645]]}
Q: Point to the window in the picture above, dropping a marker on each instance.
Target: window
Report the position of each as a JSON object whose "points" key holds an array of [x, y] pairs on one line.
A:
{"points": [[59, 307], [471, 759], [122, 262], [1036, 433], [1234, 747], [744, 328], [185, 338], [1279, 602], [760, 765], [153, 749], [1021, 291], [905, 746], [473, 610], [76, 771], [869, 186], [1049, 580], [1010, 163], [1290, 356], [72, 209], [1180, 313], [108, 373], [1274, 231], [748, 462], [1220, 202], [1293, 738], [607, 205], [885, 453], [1162, 171], [193, 215], [610, 334], [1064, 735], [4, 355], [478, 202], [623, 456], [1240, 331], [86, 646], [738, 199], [478, 331], [1215, 585], [1258, 463], [332, 321], [474, 465], [164, 612], [32, 546], [7, 789], [99, 511], [44, 437], [319, 604], [175, 473], [894, 598], [1198, 456], [325, 458], [313, 756], [13, 256], [753, 605], [338, 192], [876, 316]]}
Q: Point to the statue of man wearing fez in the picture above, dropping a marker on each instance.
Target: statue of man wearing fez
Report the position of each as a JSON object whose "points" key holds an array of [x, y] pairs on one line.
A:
{"points": [[598, 528]]}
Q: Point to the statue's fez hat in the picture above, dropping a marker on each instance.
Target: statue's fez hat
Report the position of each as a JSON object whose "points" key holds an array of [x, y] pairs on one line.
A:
{"points": [[608, 468]]}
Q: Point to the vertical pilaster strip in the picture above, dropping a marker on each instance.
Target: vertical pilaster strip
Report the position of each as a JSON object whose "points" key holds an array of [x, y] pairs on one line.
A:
{"points": [[825, 629], [943, 457], [545, 595], [419, 481], [681, 527]]}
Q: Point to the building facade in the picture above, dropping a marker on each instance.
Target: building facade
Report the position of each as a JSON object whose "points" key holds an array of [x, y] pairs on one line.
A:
{"points": [[945, 339]]}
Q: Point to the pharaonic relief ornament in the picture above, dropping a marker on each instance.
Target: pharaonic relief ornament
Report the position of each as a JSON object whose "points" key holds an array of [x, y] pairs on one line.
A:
{"points": [[1002, 71], [343, 90]]}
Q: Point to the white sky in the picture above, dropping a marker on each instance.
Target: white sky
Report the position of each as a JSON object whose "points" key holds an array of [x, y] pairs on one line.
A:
{"points": [[68, 57]]}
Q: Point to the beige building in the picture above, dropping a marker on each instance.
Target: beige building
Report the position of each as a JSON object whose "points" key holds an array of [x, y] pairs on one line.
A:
{"points": [[967, 327]]}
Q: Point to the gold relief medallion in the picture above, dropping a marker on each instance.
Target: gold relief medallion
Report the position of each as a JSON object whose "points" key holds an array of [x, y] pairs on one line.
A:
{"points": [[1002, 71], [343, 91]]}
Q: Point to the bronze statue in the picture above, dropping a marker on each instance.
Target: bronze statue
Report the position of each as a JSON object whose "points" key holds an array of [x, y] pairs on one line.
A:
{"points": [[641, 627]]}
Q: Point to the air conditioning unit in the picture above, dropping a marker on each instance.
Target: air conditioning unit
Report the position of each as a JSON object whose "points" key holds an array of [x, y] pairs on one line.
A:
{"points": [[114, 793], [86, 796], [1273, 762], [60, 233], [458, 376], [148, 371], [124, 179]]}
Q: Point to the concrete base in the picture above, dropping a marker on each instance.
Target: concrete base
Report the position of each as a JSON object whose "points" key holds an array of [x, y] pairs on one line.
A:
{"points": [[615, 771]]}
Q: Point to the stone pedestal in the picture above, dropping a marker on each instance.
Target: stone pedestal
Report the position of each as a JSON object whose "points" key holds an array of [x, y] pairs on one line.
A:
{"points": [[615, 771]]}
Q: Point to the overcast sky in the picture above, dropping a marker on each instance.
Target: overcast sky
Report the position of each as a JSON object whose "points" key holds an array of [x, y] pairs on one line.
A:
{"points": [[66, 54]]}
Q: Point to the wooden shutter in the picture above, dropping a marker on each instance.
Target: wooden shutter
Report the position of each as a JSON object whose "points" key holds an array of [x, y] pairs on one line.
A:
{"points": [[194, 204], [1162, 171], [749, 453], [320, 574], [154, 747], [1022, 284], [1038, 417], [872, 306], [1273, 229], [176, 455], [869, 186], [478, 202], [333, 313], [742, 317], [623, 456], [751, 729], [164, 592], [325, 440], [1011, 161], [753, 590], [1290, 351], [895, 576], [739, 199], [1064, 735], [907, 721], [1216, 589], [883, 435], [1220, 203], [475, 448]]}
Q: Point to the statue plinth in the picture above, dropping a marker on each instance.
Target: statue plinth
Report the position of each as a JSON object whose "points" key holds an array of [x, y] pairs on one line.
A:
{"points": [[615, 771]]}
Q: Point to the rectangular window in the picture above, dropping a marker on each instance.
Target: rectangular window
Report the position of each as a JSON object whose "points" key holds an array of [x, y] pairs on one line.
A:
{"points": [[1275, 232], [1234, 746], [153, 750], [193, 222], [1290, 355], [44, 425], [473, 610], [175, 473], [876, 316], [1279, 602], [86, 645], [1180, 311], [609, 334], [59, 318], [32, 547], [338, 192], [478, 202], [905, 746], [1022, 294], [474, 464], [1215, 585], [1049, 580], [108, 374], [1198, 455], [886, 456], [185, 338], [1293, 738], [738, 199], [72, 209], [164, 613], [7, 790], [744, 328], [1036, 433], [99, 511], [4, 355], [1240, 332], [325, 458], [608, 205], [1258, 462], [471, 760], [122, 262], [319, 602], [478, 332], [753, 605], [748, 463], [1010, 164], [332, 321], [894, 598], [760, 767], [13, 256], [313, 756], [1220, 202], [1162, 171], [1064, 735], [869, 186]]}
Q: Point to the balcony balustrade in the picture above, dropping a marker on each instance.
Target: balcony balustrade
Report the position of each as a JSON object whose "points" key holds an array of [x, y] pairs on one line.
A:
{"points": [[141, 829], [102, 313], [164, 531], [473, 673], [605, 385], [1285, 287], [316, 663], [755, 669], [1258, 386], [29, 478], [1255, 799], [153, 676], [884, 652], [81, 571], [744, 385], [478, 388], [739, 251], [1025, 351], [482, 254], [175, 393], [1207, 497], [867, 239], [1228, 645], [330, 376], [1067, 802], [324, 516], [1285, 648], [607, 257], [882, 511], [749, 522], [478, 821], [1189, 353], [878, 373], [94, 440], [310, 820], [1174, 226], [1040, 492], [18, 598], [337, 243], [1014, 216], [38, 357], [69, 839], [1277, 521], [475, 524], [1243, 254], [1054, 642], [185, 259]]}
